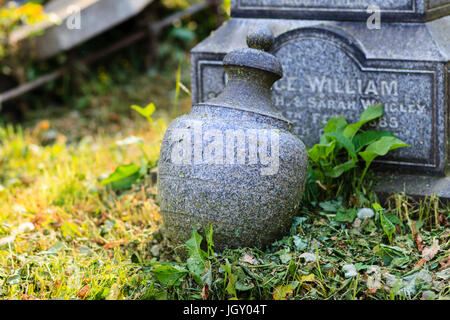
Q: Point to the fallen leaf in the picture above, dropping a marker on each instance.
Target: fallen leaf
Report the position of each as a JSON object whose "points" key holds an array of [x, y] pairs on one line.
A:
{"points": [[369, 292], [418, 241], [309, 257], [429, 252], [445, 262], [57, 283], [100, 242], [103, 218], [443, 220], [248, 259], [27, 297], [83, 293], [307, 278], [38, 219], [420, 264], [350, 270], [43, 125], [283, 292], [205, 292], [113, 244]]}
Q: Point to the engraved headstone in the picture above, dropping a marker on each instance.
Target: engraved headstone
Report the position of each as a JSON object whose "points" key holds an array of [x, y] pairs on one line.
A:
{"points": [[340, 66]]}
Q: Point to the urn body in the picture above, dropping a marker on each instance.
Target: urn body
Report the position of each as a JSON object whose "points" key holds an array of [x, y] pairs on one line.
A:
{"points": [[233, 163]]}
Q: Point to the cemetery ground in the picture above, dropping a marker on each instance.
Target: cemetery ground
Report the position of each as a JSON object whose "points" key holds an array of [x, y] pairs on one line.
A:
{"points": [[66, 233]]}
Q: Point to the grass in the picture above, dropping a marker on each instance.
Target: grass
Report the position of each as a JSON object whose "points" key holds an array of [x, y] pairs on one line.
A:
{"points": [[69, 231], [65, 236]]}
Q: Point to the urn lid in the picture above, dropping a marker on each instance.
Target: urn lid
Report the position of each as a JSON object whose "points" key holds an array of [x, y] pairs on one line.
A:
{"points": [[260, 40]]}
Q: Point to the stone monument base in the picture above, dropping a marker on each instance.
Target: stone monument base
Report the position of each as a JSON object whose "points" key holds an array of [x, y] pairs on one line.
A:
{"points": [[416, 186]]}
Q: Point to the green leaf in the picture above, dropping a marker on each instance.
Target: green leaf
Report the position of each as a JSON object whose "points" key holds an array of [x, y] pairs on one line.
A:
{"points": [[388, 226], [69, 229], [369, 114], [231, 287], [370, 226], [241, 286], [169, 275], [331, 206], [321, 151], [182, 34], [300, 244], [345, 215], [363, 139], [177, 85], [338, 170], [123, 177], [380, 148], [209, 239], [146, 112], [335, 124], [13, 279], [345, 142], [197, 257]]}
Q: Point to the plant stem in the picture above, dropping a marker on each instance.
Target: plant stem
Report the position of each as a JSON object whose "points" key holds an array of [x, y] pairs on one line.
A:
{"points": [[362, 176]]}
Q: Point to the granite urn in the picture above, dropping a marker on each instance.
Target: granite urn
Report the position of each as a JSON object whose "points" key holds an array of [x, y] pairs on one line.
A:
{"points": [[233, 161]]}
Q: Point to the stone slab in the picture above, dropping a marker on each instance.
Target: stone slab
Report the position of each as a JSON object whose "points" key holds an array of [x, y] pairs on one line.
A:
{"points": [[417, 186], [338, 68], [354, 10]]}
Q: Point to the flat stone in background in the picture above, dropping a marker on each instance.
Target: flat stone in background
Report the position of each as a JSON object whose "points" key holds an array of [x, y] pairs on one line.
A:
{"points": [[417, 186]]}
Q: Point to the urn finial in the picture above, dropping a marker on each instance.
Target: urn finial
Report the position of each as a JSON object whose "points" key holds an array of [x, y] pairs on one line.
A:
{"points": [[261, 38]]}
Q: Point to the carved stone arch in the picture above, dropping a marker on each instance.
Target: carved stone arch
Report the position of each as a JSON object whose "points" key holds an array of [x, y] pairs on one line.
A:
{"points": [[332, 34]]}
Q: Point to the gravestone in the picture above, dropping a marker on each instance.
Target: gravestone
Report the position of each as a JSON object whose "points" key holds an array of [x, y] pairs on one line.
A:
{"points": [[334, 64]]}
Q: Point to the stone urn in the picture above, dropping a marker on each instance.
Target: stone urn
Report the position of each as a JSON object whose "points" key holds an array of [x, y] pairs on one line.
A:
{"points": [[233, 162]]}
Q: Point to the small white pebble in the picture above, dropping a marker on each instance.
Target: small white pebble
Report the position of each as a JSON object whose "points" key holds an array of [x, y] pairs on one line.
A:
{"points": [[350, 270], [365, 213]]}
